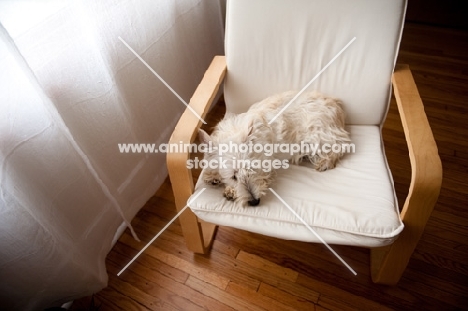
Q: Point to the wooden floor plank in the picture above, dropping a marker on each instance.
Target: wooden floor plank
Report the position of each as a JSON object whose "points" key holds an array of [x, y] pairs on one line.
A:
{"points": [[153, 295], [258, 262], [147, 261], [214, 261], [230, 300], [339, 295], [256, 298], [140, 293], [296, 300], [206, 275], [170, 291]]}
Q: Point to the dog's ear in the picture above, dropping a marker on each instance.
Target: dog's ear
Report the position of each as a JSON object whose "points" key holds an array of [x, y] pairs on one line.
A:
{"points": [[203, 136]]}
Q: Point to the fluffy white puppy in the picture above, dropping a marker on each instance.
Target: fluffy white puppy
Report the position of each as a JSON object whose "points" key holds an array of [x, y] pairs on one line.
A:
{"points": [[311, 120]]}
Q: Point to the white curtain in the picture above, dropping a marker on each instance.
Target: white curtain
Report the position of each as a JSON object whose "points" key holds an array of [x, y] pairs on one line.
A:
{"points": [[70, 92]]}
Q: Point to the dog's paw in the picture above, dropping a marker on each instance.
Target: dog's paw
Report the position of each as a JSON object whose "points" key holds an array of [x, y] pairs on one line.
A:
{"points": [[213, 182], [211, 177], [324, 164], [229, 193]]}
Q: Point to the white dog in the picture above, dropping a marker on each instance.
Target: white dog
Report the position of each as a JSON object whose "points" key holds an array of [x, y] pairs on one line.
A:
{"points": [[312, 119]]}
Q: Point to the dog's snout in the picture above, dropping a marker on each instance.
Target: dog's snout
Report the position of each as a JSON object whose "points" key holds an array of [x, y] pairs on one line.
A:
{"points": [[254, 202]]}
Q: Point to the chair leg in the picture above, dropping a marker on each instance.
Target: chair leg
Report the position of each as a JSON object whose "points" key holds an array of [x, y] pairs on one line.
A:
{"points": [[389, 262], [198, 235]]}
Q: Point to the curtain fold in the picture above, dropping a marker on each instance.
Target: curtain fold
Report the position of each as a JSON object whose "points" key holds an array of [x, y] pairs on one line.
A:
{"points": [[70, 92]]}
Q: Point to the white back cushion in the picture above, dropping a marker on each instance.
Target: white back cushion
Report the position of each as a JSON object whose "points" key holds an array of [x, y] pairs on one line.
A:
{"points": [[278, 45]]}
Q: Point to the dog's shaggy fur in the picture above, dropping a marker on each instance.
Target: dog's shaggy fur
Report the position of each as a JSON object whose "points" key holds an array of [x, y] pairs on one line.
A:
{"points": [[312, 119]]}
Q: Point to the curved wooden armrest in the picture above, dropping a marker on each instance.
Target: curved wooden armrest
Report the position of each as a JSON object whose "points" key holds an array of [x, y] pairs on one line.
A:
{"points": [[426, 167], [185, 133], [388, 263]]}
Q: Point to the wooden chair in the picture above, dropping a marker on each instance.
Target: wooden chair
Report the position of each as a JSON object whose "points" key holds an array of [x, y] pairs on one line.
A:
{"points": [[273, 46]]}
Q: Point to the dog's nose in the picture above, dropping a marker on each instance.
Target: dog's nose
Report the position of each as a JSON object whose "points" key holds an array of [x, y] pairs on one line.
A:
{"points": [[254, 202]]}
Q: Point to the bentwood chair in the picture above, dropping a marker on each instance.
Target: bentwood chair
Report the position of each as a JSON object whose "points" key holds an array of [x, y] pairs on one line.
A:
{"points": [[275, 45]]}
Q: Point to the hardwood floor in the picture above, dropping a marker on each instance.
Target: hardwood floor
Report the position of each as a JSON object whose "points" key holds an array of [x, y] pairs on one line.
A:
{"points": [[245, 271]]}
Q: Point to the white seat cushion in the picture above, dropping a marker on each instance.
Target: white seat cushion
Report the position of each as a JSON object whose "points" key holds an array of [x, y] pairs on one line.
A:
{"points": [[353, 204]]}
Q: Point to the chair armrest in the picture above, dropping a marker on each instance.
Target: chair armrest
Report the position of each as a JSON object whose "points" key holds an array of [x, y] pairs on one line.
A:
{"points": [[389, 262], [426, 167], [185, 133], [188, 125], [200, 102]]}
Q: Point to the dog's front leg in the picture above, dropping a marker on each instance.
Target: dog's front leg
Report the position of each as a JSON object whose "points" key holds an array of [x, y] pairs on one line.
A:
{"points": [[229, 193]]}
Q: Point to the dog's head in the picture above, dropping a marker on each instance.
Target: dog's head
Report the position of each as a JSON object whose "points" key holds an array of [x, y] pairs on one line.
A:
{"points": [[240, 169]]}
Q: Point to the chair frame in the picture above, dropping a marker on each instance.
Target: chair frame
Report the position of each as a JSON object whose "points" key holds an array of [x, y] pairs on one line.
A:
{"points": [[387, 263]]}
